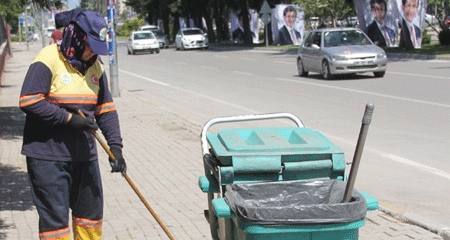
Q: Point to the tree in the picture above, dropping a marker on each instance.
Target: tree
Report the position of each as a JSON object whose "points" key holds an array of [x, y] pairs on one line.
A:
{"points": [[332, 9], [12, 9]]}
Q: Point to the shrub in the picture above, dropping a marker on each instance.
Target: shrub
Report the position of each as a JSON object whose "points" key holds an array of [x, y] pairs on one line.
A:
{"points": [[426, 38], [444, 37], [129, 26]]}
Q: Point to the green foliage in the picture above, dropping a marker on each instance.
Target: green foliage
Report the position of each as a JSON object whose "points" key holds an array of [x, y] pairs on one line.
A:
{"points": [[16, 38], [129, 26], [444, 37], [334, 9], [426, 38]]}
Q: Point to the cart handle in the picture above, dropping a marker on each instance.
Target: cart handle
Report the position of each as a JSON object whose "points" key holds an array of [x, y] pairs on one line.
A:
{"points": [[243, 118]]}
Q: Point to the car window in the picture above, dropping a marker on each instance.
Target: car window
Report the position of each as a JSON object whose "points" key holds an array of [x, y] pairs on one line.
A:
{"points": [[308, 40], [139, 36], [192, 32], [317, 38], [345, 37], [158, 33]]}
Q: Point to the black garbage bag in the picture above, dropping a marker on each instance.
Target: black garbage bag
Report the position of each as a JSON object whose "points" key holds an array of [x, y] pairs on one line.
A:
{"points": [[294, 202]]}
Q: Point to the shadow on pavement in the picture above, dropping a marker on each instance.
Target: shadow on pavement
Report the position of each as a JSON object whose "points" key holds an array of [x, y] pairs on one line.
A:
{"points": [[14, 192], [12, 120]]}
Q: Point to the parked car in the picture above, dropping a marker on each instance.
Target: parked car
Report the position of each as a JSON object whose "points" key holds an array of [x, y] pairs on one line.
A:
{"points": [[431, 19], [148, 27], [188, 38], [348, 22], [142, 41], [163, 39], [50, 30], [332, 51]]}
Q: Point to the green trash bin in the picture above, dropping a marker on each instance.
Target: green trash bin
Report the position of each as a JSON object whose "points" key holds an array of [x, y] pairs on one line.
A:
{"points": [[277, 183]]}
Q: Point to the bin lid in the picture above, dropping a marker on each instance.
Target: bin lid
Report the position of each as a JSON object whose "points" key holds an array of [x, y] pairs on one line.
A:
{"points": [[268, 142]]}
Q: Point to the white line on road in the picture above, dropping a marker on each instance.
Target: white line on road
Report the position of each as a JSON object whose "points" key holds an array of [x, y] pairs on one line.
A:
{"points": [[417, 165], [247, 59], [245, 73], [208, 67], [418, 75], [220, 56], [366, 92], [283, 62], [145, 78], [382, 154]]}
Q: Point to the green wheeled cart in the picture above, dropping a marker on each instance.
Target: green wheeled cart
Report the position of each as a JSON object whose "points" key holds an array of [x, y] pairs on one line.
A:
{"points": [[277, 183]]}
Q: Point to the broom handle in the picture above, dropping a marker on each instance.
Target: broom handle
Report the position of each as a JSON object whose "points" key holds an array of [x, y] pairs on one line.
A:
{"points": [[358, 152]]}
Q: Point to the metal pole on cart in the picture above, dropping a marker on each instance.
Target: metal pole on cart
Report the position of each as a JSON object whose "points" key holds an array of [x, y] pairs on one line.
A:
{"points": [[358, 152]]}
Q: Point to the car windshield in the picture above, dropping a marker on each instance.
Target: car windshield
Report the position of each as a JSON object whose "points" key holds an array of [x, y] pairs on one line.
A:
{"points": [[345, 37], [158, 33], [139, 36], [192, 32]]}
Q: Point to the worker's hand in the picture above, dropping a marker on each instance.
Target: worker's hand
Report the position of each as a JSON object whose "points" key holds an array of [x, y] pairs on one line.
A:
{"points": [[118, 164], [79, 122]]}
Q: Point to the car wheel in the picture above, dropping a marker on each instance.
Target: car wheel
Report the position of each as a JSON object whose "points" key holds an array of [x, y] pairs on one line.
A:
{"points": [[182, 47], [301, 69], [326, 71], [128, 51], [379, 74], [132, 52], [157, 50]]}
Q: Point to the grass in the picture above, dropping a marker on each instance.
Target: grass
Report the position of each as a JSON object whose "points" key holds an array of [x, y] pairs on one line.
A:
{"points": [[434, 48]]}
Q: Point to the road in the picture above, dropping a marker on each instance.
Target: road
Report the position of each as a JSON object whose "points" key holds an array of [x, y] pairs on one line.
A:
{"points": [[405, 163]]}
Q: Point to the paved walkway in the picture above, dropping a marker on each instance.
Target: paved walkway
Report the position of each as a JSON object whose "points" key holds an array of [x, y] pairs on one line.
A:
{"points": [[164, 161]]}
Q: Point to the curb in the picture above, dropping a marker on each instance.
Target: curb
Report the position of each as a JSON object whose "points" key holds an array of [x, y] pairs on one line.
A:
{"points": [[410, 218]]}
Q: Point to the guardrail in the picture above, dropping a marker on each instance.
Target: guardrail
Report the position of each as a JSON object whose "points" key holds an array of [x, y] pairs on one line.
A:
{"points": [[4, 48]]}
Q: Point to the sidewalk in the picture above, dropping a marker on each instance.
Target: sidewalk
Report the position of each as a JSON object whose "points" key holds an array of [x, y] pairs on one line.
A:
{"points": [[164, 161]]}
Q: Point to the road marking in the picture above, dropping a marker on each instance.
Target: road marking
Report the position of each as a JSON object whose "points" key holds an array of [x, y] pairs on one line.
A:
{"points": [[221, 56], [366, 92], [418, 75], [411, 163], [247, 59], [208, 67], [283, 62], [245, 73], [145, 78]]}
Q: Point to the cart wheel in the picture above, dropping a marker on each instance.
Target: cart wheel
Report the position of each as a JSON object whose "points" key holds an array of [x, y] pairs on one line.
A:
{"points": [[212, 218]]}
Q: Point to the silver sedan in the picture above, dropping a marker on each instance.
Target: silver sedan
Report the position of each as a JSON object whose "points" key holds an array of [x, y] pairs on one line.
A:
{"points": [[332, 51]]}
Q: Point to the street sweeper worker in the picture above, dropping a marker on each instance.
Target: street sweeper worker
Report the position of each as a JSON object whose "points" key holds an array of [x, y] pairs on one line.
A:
{"points": [[60, 150]]}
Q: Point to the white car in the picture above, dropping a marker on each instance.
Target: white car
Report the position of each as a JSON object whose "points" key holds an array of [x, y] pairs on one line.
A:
{"points": [[148, 27], [188, 38], [142, 41]]}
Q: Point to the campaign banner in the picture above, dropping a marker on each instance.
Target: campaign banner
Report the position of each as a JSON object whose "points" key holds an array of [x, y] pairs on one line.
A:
{"points": [[287, 24], [392, 23], [237, 26]]}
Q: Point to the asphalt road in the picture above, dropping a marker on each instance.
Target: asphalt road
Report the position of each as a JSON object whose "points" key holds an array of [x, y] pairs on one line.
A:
{"points": [[405, 163]]}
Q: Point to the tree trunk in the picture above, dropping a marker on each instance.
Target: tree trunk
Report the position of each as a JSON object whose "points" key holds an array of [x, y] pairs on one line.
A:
{"points": [[247, 32], [219, 22], [209, 25]]}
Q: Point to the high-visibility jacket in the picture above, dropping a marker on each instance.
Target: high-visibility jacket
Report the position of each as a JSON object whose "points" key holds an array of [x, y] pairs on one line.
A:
{"points": [[52, 87]]}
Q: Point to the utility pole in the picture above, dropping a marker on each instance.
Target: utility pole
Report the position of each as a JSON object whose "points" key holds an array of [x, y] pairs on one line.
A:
{"points": [[26, 27], [113, 65]]}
